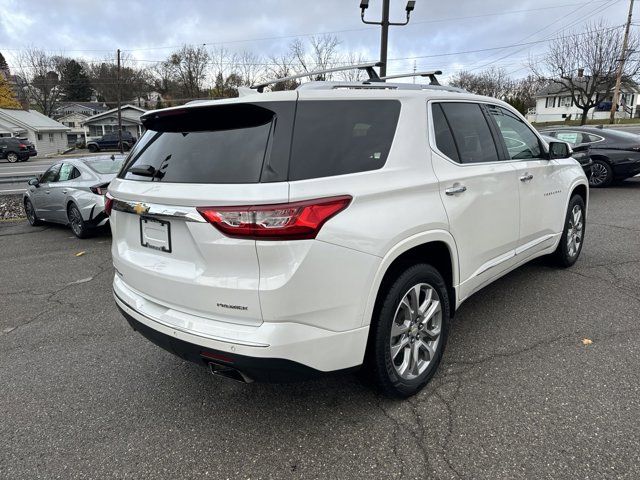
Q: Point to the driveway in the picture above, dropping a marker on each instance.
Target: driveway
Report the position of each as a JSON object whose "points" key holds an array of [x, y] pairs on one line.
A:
{"points": [[518, 395]]}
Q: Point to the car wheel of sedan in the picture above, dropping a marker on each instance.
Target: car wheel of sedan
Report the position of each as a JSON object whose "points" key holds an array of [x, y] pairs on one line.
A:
{"points": [[601, 174], [78, 226], [410, 331], [572, 238], [31, 213], [12, 157]]}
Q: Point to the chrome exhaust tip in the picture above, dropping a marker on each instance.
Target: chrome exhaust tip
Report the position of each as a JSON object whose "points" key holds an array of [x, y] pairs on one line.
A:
{"points": [[228, 372]]}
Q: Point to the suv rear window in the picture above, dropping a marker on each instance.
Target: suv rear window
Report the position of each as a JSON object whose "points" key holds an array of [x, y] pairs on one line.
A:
{"points": [[337, 137], [235, 143]]}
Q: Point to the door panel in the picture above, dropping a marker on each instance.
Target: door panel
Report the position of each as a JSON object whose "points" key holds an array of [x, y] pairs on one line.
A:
{"points": [[479, 192], [484, 219], [43, 197], [539, 180]]}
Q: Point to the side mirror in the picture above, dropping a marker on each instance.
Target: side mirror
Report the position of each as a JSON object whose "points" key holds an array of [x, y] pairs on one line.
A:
{"points": [[34, 182], [559, 150]]}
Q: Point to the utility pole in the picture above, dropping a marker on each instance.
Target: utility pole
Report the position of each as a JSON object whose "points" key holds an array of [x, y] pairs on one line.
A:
{"points": [[625, 42], [119, 111], [385, 23]]}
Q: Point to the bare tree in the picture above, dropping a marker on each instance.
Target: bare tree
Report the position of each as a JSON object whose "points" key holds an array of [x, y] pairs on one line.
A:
{"points": [[40, 77], [135, 82], [282, 66], [322, 54], [354, 75], [584, 65], [250, 67], [493, 82], [190, 65]]}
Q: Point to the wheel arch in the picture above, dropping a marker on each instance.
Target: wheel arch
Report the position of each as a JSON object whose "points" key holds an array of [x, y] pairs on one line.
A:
{"points": [[436, 248]]}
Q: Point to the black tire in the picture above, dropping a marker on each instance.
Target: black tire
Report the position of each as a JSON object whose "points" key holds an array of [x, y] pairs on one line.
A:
{"points": [[93, 148], [564, 255], [78, 226], [12, 157], [601, 174], [31, 213], [384, 368]]}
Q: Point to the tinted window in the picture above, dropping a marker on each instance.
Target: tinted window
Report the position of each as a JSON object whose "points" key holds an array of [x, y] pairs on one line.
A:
{"points": [[590, 138], [470, 132], [444, 138], [236, 143], [342, 136], [50, 175], [520, 141]]}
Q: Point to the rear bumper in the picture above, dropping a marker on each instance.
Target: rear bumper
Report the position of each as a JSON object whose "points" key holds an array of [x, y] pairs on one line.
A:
{"points": [[272, 351]]}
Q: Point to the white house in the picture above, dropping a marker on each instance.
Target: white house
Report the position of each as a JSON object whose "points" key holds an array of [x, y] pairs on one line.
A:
{"points": [[85, 108], [75, 122], [46, 134], [554, 103], [105, 122]]}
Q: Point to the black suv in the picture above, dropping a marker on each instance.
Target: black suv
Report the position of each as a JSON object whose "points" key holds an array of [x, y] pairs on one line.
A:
{"points": [[110, 141], [16, 149]]}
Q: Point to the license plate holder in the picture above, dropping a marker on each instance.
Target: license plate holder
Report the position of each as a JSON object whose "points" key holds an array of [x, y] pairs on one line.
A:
{"points": [[155, 234]]}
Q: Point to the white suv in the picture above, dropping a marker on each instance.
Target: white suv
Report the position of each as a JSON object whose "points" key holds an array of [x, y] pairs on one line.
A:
{"points": [[282, 235]]}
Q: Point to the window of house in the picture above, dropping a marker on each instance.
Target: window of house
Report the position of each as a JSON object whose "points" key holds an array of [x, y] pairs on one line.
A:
{"points": [[550, 102], [51, 137], [39, 136], [567, 101]]}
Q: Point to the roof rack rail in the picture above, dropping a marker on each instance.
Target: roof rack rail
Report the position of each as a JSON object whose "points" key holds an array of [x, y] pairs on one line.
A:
{"points": [[431, 74], [368, 67]]}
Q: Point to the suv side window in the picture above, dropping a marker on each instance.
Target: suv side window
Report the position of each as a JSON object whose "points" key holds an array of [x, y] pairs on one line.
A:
{"points": [[471, 133], [520, 141], [337, 137], [444, 137], [51, 175]]}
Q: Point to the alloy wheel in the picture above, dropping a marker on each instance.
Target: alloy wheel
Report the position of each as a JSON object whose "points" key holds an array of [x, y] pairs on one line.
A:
{"points": [[574, 232], [31, 214], [415, 331], [12, 157], [76, 221], [599, 174]]}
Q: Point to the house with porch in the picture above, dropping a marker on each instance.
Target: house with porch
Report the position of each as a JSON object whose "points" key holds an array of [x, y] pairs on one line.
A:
{"points": [[105, 122], [554, 103], [48, 135]]}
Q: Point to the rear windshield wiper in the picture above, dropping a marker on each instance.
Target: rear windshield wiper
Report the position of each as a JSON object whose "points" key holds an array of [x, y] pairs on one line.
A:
{"points": [[146, 171]]}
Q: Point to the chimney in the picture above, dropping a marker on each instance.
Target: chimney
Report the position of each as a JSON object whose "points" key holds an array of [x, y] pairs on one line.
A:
{"points": [[580, 72]]}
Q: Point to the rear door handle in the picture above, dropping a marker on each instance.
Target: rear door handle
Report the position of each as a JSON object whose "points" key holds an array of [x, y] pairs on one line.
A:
{"points": [[526, 177], [455, 189]]}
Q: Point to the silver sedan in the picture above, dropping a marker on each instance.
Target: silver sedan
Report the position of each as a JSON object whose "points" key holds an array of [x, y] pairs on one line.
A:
{"points": [[72, 192]]}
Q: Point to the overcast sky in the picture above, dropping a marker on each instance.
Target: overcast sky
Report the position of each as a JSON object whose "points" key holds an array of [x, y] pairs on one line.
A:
{"points": [[149, 30]]}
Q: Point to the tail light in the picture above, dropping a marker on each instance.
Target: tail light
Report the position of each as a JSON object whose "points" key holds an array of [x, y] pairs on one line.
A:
{"points": [[100, 189], [108, 204], [22, 145], [285, 221]]}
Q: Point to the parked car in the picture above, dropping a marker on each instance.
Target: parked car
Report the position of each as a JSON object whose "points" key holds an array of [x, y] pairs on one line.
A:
{"points": [[268, 252], [110, 141], [72, 192], [16, 149], [30, 146], [615, 153], [579, 152]]}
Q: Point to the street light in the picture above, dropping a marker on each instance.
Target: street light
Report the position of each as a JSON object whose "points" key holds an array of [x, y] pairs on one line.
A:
{"points": [[385, 23]]}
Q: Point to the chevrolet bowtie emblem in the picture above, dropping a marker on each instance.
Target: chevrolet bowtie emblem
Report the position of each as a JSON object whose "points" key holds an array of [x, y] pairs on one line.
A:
{"points": [[140, 208]]}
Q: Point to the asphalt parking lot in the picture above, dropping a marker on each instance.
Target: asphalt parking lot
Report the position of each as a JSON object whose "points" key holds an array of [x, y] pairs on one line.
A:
{"points": [[518, 395]]}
